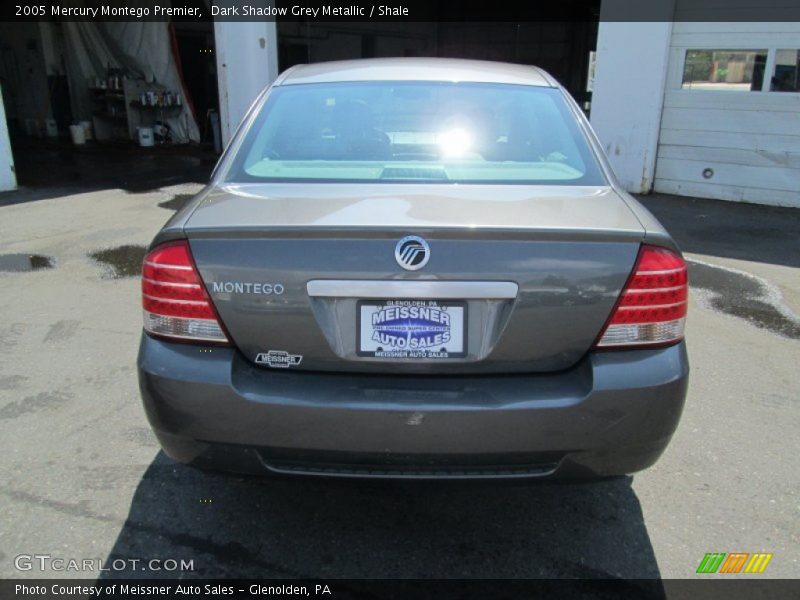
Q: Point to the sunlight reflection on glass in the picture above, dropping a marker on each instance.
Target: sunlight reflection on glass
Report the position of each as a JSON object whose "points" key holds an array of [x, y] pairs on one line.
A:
{"points": [[455, 142]]}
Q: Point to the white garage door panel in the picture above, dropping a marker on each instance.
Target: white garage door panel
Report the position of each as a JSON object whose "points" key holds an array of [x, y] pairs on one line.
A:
{"points": [[751, 139], [689, 31], [730, 139], [685, 26], [734, 156], [741, 121], [733, 101], [773, 178], [727, 192], [723, 40]]}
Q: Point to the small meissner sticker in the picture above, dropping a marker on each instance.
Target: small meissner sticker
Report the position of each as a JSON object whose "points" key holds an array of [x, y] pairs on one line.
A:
{"points": [[279, 359]]}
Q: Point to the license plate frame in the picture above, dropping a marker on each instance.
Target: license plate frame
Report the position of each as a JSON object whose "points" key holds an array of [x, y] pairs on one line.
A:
{"points": [[453, 326]]}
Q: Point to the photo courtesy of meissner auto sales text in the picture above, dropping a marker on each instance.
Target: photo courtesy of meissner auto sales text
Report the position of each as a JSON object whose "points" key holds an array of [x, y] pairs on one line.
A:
{"points": [[435, 299]]}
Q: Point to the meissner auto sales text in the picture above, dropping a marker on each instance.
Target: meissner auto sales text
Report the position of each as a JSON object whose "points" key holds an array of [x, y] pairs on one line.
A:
{"points": [[125, 589]]}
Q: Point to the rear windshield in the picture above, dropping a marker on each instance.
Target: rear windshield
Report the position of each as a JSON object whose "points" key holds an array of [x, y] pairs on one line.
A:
{"points": [[415, 132]]}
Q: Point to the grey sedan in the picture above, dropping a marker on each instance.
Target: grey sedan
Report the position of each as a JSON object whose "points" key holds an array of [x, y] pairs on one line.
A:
{"points": [[414, 268]]}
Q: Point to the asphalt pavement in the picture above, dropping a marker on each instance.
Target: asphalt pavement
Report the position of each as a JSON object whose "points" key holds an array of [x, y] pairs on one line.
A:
{"points": [[82, 475]]}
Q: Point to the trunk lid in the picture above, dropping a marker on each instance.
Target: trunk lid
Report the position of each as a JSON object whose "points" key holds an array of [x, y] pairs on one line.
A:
{"points": [[530, 273]]}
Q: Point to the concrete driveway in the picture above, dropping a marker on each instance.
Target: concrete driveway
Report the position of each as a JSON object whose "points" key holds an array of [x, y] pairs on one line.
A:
{"points": [[82, 476]]}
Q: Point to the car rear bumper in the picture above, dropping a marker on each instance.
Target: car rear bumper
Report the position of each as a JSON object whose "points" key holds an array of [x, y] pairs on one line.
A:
{"points": [[611, 414]]}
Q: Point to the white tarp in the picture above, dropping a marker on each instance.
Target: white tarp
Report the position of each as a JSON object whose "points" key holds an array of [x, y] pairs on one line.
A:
{"points": [[142, 48]]}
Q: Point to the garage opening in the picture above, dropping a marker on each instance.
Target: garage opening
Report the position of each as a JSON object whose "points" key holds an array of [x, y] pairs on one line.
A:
{"points": [[131, 105]]}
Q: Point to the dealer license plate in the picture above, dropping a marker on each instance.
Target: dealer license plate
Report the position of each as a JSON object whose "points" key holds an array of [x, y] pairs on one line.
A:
{"points": [[412, 329]]}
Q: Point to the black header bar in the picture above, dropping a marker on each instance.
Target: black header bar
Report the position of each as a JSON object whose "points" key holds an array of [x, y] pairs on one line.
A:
{"points": [[401, 10]]}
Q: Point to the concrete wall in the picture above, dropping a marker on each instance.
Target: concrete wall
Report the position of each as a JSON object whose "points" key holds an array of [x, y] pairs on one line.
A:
{"points": [[628, 91], [247, 62]]}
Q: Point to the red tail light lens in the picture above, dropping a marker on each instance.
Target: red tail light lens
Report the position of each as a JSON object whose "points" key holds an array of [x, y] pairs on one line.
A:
{"points": [[176, 305], [652, 307]]}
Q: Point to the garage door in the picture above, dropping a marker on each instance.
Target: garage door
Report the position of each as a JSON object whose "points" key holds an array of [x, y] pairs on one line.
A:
{"points": [[730, 127]]}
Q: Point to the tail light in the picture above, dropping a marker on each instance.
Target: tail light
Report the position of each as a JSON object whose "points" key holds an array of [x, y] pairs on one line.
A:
{"points": [[176, 305], [651, 310]]}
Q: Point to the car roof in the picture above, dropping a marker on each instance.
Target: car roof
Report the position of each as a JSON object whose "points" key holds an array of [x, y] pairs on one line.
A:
{"points": [[417, 69]]}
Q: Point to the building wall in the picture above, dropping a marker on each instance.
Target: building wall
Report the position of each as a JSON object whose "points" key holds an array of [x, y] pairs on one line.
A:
{"points": [[247, 62], [732, 145], [628, 90]]}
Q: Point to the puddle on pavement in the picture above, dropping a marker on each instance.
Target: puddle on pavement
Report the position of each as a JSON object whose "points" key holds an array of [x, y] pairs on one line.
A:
{"points": [[177, 202], [123, 261], [743, 296], [25, 262]]}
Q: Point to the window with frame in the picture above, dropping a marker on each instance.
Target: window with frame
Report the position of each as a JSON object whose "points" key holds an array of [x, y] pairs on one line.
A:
{"points": [[787, 71], [724, 70]]}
